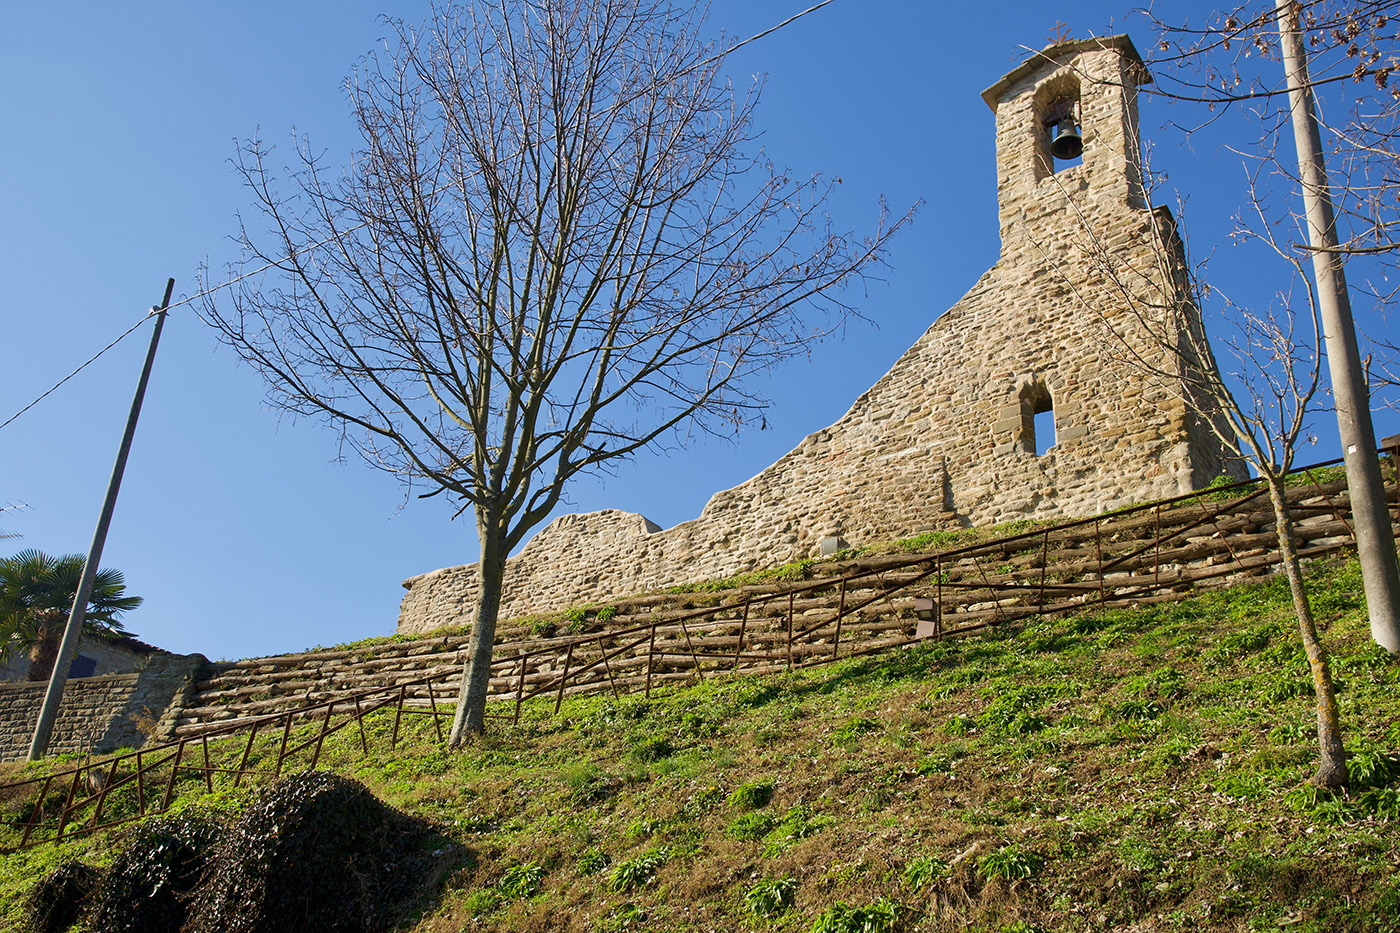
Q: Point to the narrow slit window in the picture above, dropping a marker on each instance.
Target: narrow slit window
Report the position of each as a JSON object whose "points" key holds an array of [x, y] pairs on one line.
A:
{"points": [[1037, 431], [1044, 426]]}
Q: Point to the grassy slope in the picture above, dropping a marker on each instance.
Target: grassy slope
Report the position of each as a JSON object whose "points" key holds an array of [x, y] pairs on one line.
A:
{"points": [[1134, 769]]}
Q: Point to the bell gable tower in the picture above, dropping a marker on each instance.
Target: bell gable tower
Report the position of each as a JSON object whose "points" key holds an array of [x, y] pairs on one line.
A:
{"points": [[1088, 86]]}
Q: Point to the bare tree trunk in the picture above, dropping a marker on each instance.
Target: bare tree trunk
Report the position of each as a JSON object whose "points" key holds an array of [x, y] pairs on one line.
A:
{"points": [[470, 717], [1332, 767], [602, 274]]}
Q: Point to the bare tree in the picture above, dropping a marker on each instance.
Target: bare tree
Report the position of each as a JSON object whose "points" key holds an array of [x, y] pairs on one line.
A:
{"points": [[1351, 47], [1259, 407], [554, 246], [1385, 374]]}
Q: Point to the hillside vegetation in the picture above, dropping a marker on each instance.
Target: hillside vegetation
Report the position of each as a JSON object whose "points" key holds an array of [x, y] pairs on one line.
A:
{"points": [[1138, 769]]}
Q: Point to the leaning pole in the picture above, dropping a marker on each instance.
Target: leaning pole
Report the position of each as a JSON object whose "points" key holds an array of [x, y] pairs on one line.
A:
{"points": [[1375, 541], [39, 746]]}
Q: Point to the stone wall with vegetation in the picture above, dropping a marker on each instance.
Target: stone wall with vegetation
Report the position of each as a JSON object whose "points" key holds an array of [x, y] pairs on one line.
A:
{"points": [[101, 714], [946, 437]]}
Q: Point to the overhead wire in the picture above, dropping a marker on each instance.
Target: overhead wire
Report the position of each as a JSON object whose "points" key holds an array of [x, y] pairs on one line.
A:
{"points": [[148, 315], [344, 233], [775, 28], [75, 372]]}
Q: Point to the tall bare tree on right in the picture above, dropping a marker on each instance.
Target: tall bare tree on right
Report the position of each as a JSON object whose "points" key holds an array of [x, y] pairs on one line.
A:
{"points": [[1259, 404], [1346, 46]]}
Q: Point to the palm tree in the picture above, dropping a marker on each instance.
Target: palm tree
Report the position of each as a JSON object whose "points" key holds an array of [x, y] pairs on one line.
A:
{"points": [[36, 595]]}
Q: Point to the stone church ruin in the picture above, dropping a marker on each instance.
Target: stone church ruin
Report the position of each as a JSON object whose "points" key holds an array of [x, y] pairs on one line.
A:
{"points": [[948, 437]]}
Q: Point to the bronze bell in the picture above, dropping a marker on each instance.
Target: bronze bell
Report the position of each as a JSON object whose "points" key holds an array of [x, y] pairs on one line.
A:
{"points": [[1067, 144]]}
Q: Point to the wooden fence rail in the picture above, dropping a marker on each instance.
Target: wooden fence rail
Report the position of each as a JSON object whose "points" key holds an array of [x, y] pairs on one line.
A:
{"points": [[1150, 553]]}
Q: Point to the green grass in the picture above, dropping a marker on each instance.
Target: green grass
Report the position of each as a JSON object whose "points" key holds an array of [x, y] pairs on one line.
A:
{"points": [[1131, 768]]}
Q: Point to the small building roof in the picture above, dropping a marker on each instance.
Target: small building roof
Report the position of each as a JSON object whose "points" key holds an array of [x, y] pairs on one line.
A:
{"points": [[129, 642], [1058, 50]]}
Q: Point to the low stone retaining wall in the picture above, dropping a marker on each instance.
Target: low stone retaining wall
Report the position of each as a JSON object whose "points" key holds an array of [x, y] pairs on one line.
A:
{"points": [[101, 714]]}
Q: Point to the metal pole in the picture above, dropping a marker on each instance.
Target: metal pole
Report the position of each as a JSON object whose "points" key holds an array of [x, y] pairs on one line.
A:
{"points": [[39, 746], [1375, 541]]}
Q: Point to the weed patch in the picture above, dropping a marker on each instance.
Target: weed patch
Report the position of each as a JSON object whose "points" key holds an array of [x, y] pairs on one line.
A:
{"points": [[768, 898], [752, 795], [880, 916], [638, 870]]}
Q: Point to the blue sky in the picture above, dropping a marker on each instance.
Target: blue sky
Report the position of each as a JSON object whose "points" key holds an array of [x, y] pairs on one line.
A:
{"points": [[241, 530]]}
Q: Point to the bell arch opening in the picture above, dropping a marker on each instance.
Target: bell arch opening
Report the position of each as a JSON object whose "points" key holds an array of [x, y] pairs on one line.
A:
{"points": [[1058, 128]]}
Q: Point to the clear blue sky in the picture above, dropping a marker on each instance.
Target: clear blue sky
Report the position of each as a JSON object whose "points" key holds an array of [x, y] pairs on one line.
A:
{"points": [[240, 529]]}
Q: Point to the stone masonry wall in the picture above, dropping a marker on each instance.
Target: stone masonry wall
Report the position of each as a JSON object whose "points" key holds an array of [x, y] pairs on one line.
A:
{"points": [[946, 436], [100, 714]]}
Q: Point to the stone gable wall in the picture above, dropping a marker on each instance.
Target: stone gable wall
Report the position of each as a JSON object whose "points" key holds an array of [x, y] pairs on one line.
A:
{"points": [[944, 437]]}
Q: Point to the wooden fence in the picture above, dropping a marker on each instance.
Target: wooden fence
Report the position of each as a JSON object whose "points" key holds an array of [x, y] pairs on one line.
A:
{"points": [[1150, 553], [72, 802]]}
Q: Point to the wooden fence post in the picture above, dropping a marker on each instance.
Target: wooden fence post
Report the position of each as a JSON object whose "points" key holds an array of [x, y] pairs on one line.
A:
{"points": [[68, 803], [1098, 550], [102, 795], [321, 736], [938, 607], [520, 690], [743, 627], [432, 703], [247, 750], [140, 785], [651, 653], [208, 775], [789, 630], [1157, 552], [360, 721], [607, 665], [564, 678], [282, 752], [174, 770], [398, 714], [38, 811], [840, 616], [1044, 565]]}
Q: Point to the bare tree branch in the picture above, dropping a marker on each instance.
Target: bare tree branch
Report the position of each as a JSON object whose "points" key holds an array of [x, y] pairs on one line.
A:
{"points": [[554, 247]]}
